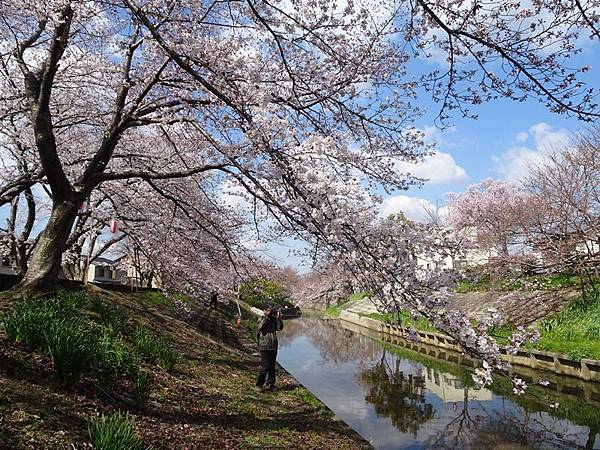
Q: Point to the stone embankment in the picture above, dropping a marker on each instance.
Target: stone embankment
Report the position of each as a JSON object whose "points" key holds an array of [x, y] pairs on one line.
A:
{"points": [[586, 369]]}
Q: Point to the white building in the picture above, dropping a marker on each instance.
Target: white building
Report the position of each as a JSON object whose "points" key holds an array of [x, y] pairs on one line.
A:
{"points": [[461, 261], [106, 271]]}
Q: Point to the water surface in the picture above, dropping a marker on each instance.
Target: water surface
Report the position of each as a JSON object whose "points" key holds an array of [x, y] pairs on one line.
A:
{"points": [[400, 400]]}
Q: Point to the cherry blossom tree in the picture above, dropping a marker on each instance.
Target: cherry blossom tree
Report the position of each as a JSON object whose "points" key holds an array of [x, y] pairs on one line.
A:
{"points": [[566, 226], [306, 106], [491, 215]]}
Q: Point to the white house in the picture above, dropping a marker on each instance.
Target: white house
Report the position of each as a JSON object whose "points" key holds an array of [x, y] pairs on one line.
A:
{"points": [[462, 260], [106, 271]]}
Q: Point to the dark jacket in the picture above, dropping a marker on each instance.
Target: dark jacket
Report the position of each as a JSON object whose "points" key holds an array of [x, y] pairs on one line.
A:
{"points": [[267, 332]]}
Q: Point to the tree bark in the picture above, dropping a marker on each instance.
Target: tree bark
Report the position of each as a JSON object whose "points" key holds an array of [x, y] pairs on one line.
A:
{"points": [[45, 263]]}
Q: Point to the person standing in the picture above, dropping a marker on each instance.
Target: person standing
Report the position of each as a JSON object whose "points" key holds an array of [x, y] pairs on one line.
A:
{"points": [[268, 326], [212, 302]]}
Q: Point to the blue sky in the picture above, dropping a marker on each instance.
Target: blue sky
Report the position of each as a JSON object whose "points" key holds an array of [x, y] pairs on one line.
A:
{"points": [[506, 138]]}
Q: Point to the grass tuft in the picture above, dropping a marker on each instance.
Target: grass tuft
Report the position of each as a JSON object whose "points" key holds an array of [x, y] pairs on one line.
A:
{"points": [[114, 432], [57, 328], [155, 349]]}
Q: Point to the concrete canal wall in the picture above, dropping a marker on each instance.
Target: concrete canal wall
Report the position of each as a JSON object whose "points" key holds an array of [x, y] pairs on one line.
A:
{"points": [[586, 369]]}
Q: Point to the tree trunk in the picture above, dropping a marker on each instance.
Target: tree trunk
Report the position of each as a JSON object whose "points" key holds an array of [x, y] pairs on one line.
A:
{"points": [[44, 265]]}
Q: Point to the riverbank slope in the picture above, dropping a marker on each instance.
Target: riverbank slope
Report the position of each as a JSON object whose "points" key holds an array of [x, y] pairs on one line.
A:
{"points": [[207, 401]]}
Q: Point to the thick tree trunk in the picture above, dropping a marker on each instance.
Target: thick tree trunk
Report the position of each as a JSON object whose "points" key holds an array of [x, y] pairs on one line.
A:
{"points": [[44, 265]]}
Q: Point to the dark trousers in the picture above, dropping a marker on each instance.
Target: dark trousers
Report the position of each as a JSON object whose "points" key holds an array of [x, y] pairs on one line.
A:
{"points": [[267, 368]]}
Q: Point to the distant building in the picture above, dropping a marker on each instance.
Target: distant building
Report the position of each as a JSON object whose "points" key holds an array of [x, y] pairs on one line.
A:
{"points": [[106, 271], [461, 261], [121, 270]]}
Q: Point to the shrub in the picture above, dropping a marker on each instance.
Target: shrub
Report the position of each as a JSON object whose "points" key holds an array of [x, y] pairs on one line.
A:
{"points": [[155, 348], [141, 392], [56, 328], [72, 347], [114, 432]]}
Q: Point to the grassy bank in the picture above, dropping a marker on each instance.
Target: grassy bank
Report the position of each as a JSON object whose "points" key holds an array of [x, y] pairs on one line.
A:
{"points": [[165, 373], [335, 310]]}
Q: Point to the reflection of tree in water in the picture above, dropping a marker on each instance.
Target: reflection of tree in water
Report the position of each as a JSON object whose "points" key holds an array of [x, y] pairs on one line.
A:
{"points": [[335, 344], [397, 395], [476, 428]]}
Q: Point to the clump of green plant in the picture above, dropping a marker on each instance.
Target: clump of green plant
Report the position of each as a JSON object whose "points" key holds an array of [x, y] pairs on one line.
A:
{"points": [[478, 283], [72, 347], [109, 316], [155, 349], [114, 357], [114, 432], [575, 330], [403, 318], [56, 328], [141, 392], [260, 292]]}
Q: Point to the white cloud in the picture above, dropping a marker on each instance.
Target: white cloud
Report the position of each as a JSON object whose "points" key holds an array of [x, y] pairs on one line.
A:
{"points": [[437, 168], [522, 136], [514, 163], [413, 208]]}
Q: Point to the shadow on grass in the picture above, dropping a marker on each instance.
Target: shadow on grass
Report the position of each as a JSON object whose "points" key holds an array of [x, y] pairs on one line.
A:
{"points": [[293, 421]]}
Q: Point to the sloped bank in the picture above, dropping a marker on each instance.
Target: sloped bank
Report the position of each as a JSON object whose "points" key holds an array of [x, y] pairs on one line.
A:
{"points": [[585, 369], [207, 401]]}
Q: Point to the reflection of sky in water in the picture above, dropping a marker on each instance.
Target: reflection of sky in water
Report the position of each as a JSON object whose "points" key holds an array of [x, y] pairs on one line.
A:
{"points": [[331, 369]]}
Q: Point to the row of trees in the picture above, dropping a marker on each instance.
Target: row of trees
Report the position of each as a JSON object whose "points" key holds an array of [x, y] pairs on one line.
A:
{"points": [[550, 222], [302, 109]]}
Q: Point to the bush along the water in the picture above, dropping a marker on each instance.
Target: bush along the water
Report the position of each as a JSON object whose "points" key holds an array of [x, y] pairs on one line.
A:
{"points": [[114, 432], [155, 349]]}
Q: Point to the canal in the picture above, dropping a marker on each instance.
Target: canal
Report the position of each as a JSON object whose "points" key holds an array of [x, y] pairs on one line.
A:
{"points": [[400, 399]]}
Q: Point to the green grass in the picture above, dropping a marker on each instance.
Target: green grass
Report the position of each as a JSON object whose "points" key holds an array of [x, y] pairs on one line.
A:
{"points": [[155, 349], [336, 310], [405, 320], [156, 299], [114, 432], [307, 397], [86, 337], [56, 328], [483, 284], [574, 331]]}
